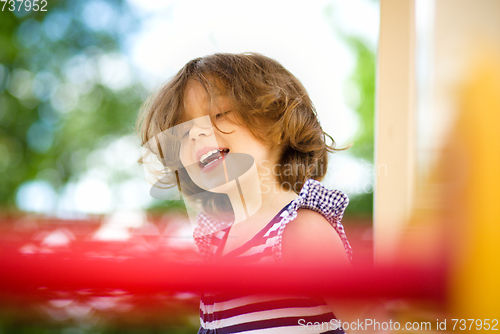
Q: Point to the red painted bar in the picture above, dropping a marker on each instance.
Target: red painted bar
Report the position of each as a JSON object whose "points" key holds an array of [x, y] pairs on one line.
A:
{"points": [[32, 273]]}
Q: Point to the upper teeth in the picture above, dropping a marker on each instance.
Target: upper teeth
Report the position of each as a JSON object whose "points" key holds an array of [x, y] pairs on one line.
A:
{"points": [[206, 155]]}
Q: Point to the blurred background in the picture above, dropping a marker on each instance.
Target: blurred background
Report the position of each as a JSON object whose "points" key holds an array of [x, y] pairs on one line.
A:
{"points": [[72, 80], [421, 170]]}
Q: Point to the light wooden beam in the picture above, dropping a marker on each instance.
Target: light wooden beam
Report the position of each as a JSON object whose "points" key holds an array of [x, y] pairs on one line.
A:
{"points": [[395, 125]]}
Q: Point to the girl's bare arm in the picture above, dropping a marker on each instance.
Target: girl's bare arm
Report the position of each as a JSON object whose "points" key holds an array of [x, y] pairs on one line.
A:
{"points": [[310, 240]]}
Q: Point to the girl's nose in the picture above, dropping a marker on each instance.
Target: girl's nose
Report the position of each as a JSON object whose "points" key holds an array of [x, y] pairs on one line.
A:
{"points": [[199, 131]]}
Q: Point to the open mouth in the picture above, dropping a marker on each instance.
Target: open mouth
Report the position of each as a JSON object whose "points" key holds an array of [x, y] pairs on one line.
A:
{"points": [[211, 158]]}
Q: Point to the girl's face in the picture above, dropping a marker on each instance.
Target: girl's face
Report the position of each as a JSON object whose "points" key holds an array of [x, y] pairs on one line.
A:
{"points": [[204, 148]]}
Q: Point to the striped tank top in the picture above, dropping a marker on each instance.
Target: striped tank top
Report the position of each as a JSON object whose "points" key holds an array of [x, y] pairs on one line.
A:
{"points": [[222, 313]]}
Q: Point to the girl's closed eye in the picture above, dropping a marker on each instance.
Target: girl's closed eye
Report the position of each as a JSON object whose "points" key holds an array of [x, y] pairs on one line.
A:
{"points": [[222, 114]]}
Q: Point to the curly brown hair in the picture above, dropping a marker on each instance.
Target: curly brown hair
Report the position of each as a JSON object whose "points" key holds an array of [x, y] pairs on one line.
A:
{"points": [[269, 100]]}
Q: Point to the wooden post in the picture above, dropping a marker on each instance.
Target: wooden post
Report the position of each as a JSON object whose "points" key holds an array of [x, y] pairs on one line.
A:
{"points": [[395, 125]]}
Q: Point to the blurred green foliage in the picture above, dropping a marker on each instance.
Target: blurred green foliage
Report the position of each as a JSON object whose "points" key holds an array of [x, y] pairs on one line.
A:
{"points": [[361, 98], [363, 78], [55, 104]]}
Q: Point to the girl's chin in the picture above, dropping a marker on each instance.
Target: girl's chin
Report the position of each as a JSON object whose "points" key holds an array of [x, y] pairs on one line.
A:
{"points": [[216, 187], [212, 182]]}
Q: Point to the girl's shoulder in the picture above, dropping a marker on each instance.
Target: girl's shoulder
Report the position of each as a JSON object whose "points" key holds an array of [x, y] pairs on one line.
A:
{"points": [[325, 203]]}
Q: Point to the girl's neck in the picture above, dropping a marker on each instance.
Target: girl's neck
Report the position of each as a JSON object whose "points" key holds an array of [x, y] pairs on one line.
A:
{"points": [[271, 198], [258, 199]]}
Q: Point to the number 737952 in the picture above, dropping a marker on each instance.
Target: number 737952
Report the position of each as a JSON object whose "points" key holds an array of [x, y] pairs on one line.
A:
{"points": [[27, 5], [485, 324]]}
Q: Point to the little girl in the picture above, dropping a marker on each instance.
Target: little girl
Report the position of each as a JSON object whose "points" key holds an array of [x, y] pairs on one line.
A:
{"points": [[238, 134]]}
